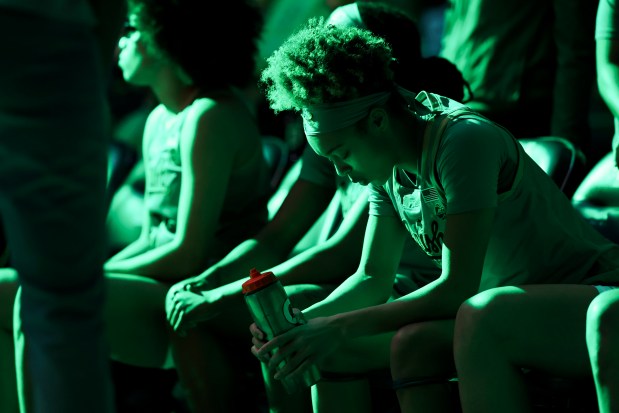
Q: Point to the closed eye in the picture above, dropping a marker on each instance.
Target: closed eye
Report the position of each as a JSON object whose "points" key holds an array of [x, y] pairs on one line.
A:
{"points": [[345, 155]]}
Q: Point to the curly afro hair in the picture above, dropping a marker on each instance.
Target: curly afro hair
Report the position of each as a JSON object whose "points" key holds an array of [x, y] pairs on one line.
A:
{"points": [[214, 42], [322, 63]]}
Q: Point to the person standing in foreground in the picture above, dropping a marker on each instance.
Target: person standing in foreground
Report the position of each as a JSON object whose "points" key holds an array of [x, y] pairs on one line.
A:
{"points": [[464, 189], [53, 157]]}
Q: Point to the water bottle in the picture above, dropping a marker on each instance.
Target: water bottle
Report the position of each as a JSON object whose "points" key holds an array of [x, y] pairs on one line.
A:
{"points": [[271, 310]]}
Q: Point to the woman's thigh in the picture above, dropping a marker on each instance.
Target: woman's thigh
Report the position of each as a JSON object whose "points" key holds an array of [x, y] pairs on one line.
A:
{"points": [[537, 326], [360, 355], [423, 348], [603, 323], [136, 323], [304, 295]]}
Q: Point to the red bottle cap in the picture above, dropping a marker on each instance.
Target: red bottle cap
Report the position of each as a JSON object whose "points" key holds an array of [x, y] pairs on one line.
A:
{"points": [[258, 280]]}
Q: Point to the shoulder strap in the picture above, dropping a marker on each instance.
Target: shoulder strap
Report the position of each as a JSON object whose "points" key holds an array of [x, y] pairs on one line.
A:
{"points": [[433, 136]]}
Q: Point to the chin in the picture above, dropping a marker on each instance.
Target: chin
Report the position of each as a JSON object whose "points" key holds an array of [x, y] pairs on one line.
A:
{"points": [[380, 181], [132, 79]]}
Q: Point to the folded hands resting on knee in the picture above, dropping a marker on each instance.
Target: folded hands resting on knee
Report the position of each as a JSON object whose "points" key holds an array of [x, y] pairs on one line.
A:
{"points": [[186, 308]]}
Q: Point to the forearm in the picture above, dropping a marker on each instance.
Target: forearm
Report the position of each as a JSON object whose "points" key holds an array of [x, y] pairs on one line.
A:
{"points": [[226, 296], [332, 261], [465, 243], [314, 266], [137, 247], [236, 265], [431, 302], [169, 262], [354, 293], [319, 265]]}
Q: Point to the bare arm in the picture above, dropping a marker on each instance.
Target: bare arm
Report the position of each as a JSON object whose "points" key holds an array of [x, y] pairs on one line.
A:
{"points": [[315, 265], [372, 283], [332, 261], [142, 244], [207, 155], [465, 244], [303, 205]]}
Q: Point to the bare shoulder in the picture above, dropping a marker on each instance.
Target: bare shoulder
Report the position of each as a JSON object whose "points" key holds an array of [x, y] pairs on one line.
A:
{"points": [[225, 117]]}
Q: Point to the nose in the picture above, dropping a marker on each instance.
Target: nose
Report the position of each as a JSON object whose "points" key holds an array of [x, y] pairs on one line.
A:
{"points": [[341, 168], [122, 42]]}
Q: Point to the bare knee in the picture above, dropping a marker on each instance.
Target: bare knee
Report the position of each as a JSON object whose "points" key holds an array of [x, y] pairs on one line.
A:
{"points": [[422, 349], [469, 321], [603, 313], [602, 332], [482, 324], [485, 314]]}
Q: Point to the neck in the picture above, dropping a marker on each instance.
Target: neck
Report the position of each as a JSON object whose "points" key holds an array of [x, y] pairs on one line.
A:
{"points": [[410, 133], [173, 93]]}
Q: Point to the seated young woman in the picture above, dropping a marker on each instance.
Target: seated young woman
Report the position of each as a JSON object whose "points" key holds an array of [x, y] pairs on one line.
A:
{"points": [[463, 188]]}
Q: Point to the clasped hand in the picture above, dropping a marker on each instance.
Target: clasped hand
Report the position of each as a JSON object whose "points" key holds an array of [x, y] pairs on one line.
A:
{"points": [[187, 305], [291, 353]]}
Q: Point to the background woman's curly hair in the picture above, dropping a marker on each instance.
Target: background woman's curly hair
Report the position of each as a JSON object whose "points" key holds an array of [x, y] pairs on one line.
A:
{"points": [[214, 42], [413, 71]]}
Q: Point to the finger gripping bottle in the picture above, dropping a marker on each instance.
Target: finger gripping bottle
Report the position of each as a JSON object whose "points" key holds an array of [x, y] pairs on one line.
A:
{"points": [[272, 312]]}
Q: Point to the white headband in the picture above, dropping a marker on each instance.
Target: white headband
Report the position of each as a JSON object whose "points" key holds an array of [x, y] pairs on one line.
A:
{"points": [[329, 117]]}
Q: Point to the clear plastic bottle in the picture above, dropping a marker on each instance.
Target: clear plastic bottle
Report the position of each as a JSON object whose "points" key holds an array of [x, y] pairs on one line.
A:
{"points": [[272, 312]]}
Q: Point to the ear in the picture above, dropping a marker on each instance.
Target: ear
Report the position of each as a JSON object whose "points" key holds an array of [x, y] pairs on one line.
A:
{"points": [[378, 119]]}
